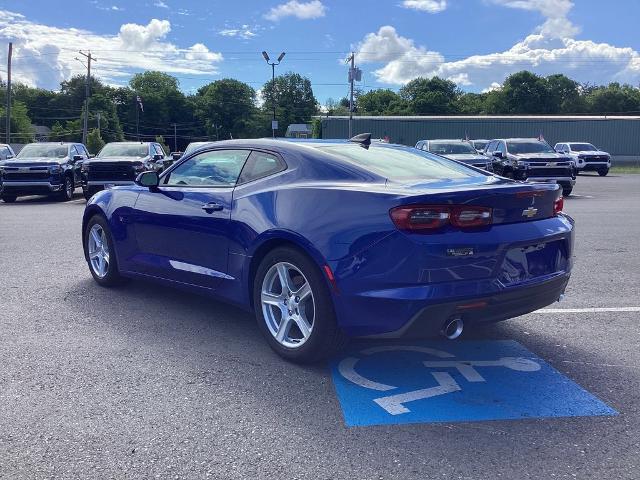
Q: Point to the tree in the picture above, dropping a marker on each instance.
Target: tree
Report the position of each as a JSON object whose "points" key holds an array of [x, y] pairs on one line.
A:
{"points": [[526, 93], [94, 141], [434, 96], [293, 96], [381, 102], [614, 98], [160, 140], [227, 109], [21, 129], [564, 95]]}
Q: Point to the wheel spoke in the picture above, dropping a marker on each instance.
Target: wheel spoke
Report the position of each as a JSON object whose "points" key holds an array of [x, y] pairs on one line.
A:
{"points": [[271, 299], [283, 274], [303, 292], [96, 237], [283, 328], [303, 325]]}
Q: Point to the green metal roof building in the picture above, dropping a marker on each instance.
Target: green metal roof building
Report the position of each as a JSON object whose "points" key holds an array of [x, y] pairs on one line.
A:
{"points": [[618, 135]]}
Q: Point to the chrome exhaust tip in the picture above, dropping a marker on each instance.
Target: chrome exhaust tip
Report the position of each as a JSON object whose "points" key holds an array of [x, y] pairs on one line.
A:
{"points": [[452, 329]]}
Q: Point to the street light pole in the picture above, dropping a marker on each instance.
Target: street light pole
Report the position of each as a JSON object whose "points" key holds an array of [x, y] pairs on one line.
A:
{"points": [[273, 84]]}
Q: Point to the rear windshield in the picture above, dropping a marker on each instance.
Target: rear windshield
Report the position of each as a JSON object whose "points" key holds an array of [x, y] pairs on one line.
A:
{"points": [[529, 147], [397, 164], [124, 150], [48, 151], [450, 148], [583, 147]]}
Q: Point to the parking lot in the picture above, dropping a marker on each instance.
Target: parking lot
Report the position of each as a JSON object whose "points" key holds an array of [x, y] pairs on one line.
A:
{"points": [[150, 382]]}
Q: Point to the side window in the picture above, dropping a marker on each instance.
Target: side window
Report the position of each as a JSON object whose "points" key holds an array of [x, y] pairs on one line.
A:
{"points": [[73, 151], [159, 149], [83, 151], [217, 168], [500, 147], [260, 165], [489, 147]]}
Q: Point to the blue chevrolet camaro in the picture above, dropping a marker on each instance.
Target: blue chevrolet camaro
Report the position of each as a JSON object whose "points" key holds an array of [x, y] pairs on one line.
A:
{"points": [[327, 240]]}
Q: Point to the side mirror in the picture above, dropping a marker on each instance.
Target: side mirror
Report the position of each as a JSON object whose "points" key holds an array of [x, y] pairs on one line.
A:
{"points": [[157, 157], [78, 158], [9, 157], [148, 179], [176, 155], [498, 154], [91, 155]]}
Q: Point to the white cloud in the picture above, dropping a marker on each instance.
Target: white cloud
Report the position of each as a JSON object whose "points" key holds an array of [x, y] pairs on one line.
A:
{"points": [[294, 8], [431, 6], [160, 4], [45, 55], [550, 49], [244, 31]]}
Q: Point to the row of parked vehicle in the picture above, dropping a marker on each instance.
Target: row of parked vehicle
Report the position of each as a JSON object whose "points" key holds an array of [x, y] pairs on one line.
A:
{"points": [[57, 169], [526, 159]]}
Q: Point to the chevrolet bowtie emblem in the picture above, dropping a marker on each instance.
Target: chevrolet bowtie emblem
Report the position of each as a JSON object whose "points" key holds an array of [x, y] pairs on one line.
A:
{"points": [[529, 212]]}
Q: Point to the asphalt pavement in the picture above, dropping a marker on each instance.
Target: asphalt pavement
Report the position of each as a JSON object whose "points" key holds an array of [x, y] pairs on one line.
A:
{"points": [[144, 381]]}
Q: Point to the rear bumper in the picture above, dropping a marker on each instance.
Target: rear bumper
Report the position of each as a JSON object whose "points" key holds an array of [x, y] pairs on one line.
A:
{"points": [[486, 309], [410, 286]]}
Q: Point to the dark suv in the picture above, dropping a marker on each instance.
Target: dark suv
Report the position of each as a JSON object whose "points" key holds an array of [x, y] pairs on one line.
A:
{"points": [[531, 159], [119, 163], [43, 169]]}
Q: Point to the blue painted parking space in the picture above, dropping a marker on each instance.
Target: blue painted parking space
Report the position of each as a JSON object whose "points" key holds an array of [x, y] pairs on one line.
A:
{"points": [[435, 381]]}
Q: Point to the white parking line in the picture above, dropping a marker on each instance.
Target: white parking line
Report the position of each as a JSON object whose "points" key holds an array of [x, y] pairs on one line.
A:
{"points": [[588, 310]]}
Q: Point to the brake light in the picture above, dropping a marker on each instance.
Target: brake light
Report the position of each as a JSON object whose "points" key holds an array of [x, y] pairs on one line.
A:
{"points": [[558, 205], [426, 218]]}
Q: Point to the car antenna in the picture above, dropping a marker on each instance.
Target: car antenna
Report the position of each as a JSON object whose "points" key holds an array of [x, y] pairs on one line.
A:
{"points": [[364, 139]]}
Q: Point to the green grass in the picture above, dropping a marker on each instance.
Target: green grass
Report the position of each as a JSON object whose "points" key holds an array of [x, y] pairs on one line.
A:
{"points": [[626, 169]]}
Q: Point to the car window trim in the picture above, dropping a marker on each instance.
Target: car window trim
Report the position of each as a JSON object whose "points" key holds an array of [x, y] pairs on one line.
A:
{"points": [[176, 165], [283, 167], [198, 152]]}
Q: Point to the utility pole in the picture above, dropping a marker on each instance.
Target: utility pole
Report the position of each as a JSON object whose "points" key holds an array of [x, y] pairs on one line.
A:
{"points": [[175, 138], [355, 75], [9, 93], [265, 55], [352, 59], [98, 117], [87, 92]]}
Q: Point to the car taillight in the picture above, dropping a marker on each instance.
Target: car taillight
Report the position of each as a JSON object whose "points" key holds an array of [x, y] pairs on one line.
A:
{"points": [[426, 218], [558, 205]]}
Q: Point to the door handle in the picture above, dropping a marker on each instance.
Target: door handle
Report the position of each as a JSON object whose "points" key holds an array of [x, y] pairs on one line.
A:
{"points": [[212, 207]]}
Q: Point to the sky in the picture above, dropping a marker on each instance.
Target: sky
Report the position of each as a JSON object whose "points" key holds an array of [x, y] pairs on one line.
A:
{"points": [[476, 43]]}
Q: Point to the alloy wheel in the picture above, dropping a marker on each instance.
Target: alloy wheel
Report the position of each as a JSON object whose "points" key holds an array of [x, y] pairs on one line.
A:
{"points": [[98, 249], [288, 305]]}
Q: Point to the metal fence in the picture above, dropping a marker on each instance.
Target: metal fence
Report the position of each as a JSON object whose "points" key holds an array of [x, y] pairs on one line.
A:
{"points": [[618, 135]]}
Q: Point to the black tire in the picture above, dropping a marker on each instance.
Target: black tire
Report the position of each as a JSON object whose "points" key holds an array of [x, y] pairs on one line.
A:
{"points": [[603, 172], [566, 191], [9, 198], [68, 188], [325, 338], [112, 277]]}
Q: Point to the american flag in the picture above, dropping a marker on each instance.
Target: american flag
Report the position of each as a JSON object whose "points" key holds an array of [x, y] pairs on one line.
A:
{"points": [[139, 100]]}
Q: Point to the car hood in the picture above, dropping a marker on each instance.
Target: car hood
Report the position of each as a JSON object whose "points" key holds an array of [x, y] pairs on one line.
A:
{"points": [[466, 157], [33, 162], [592, 152], [535, 156]]}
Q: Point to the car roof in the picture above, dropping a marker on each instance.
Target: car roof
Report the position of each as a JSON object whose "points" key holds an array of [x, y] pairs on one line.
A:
{"points": [[132, 143], [53, 143]]}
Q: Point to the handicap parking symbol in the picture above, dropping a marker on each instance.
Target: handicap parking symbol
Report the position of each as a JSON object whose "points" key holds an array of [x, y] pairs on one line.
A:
{"points": [[452, 382]]}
